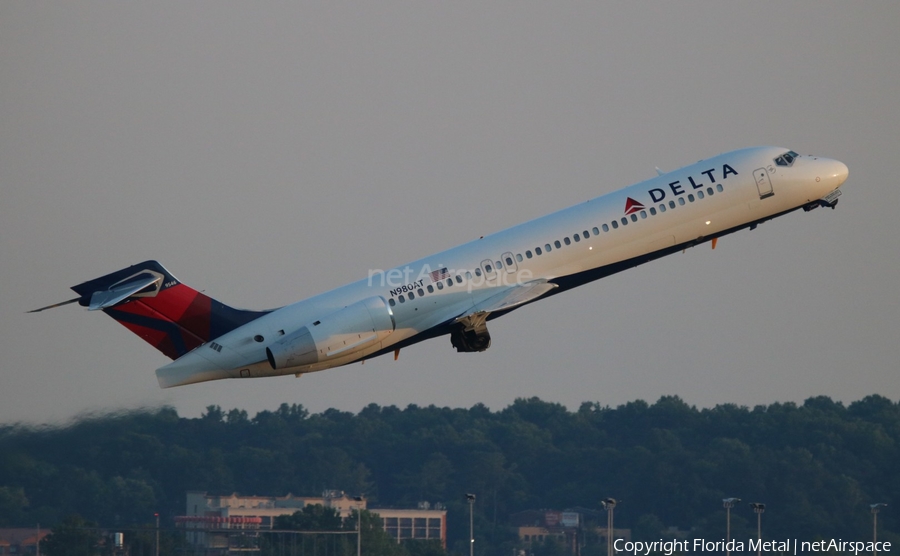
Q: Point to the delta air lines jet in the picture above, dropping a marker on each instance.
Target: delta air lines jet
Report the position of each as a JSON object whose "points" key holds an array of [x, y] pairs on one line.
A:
{"points": [[456, 292]]}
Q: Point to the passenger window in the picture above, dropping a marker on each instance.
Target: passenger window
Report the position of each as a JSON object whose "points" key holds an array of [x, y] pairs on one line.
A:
{"points": [[547, 247], [431, 288], [488, 268], [596, 231], [402, 299], [528, 254], [605, 228], [633, 217], [519, 257], [567, 241], [449, 282], [652, 211], [672, 204], [509, 261], [624, 221], [699, 194], [557, 244], [412, 296], [537, 250], [477, 271], [643, 214], [585, 234], [709, 191], [421, 292], [499, 265], [681, 201], [719, 187], [468, 275], [691, 197], [615, 224], [440, 285], [576, 237], [662, 208], [458, 279], [391, 302]]}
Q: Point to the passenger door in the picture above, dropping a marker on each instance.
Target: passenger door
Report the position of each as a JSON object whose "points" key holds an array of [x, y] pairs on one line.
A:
{"points": [[763, 183]]}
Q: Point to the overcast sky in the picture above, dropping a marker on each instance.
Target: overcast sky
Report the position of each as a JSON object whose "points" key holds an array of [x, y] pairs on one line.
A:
{"points": [[267, 152]]}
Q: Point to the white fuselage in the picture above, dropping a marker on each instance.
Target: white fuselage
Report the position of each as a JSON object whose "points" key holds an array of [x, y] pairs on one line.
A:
{"points": [[615, 231]]}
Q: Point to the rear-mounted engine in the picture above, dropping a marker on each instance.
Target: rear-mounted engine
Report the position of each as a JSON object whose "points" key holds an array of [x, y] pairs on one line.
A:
{"points": [[342, 333]]}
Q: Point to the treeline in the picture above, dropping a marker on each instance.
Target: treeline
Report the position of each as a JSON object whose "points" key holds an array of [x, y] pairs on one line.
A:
{"points": [[816, 466]]}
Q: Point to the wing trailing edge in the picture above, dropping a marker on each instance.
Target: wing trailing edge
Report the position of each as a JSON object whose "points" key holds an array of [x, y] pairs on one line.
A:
{"points": [[513, 297]]}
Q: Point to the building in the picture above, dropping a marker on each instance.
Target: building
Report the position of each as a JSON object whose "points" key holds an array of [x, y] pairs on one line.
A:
{"points": [[566, 527], [267, 508], [21, 540], [221, 535], [232, 523], [424, 523]]}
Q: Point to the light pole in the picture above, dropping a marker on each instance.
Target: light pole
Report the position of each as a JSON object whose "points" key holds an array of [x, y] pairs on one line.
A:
{"points": [[156, 515], [609, 504], [359, 501], [875, 508], [470, 498], [728, 503], [758, 509]]}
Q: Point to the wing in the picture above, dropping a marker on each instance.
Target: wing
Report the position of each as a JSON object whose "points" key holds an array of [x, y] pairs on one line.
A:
{"points": [[513, 296]]}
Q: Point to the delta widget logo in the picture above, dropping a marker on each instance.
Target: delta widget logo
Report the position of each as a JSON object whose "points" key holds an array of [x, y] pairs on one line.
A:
{"points": [[632, 206]]}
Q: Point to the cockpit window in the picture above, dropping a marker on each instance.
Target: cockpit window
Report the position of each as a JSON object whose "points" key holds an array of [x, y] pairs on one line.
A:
{"points": [[787, 158]]}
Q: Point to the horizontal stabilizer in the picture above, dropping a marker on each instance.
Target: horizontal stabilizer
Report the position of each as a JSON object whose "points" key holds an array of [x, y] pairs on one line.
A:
{"points": [[119, 292]]}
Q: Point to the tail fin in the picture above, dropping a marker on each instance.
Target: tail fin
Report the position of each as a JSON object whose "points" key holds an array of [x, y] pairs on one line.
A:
{"points": [[174, 318]]}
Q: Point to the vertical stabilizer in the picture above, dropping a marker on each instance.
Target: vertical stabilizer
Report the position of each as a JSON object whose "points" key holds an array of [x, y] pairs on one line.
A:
{"points": [[173, 317]]}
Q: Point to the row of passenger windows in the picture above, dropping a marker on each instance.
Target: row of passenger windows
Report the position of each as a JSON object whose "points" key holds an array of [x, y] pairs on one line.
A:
{"points": [[624, 220], [548, 247], [662, 207], [430, 288]]}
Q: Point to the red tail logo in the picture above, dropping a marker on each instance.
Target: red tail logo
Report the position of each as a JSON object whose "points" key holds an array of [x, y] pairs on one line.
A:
{"points": [[149, 301]]}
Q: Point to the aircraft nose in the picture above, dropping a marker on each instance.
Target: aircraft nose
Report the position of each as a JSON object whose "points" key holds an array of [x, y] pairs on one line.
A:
{"points": [[833, 172]]}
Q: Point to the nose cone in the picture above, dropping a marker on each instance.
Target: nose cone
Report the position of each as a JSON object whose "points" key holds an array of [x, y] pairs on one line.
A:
{"points": [[833, 172]]}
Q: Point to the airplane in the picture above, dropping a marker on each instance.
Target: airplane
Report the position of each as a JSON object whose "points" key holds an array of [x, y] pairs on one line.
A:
{"points": [[457, 291]]}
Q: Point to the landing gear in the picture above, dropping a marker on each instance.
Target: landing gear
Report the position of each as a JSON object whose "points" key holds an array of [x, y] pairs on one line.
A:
{"points": [[820, 203], [830, 200]]}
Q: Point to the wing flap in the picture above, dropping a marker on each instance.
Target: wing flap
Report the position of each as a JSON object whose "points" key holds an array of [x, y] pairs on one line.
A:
{"points": [[512, 297]]}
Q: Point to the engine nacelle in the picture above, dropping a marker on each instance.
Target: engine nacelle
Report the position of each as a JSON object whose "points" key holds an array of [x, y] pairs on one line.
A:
{"points": [[344, 332], [471, 334]]}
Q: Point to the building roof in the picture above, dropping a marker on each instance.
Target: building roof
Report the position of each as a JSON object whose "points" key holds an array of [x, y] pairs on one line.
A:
{"points": [[21, 536]]}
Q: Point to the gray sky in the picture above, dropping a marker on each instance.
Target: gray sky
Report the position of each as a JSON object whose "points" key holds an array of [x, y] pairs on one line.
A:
{"points": [[266, 152]]}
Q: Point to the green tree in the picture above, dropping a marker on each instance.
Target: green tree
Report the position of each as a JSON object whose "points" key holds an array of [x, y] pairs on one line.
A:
{"points": [[12, 505], [314, 517], [647, 528], [73, 537], [550, 546], [424, 548], [375, 541]]}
